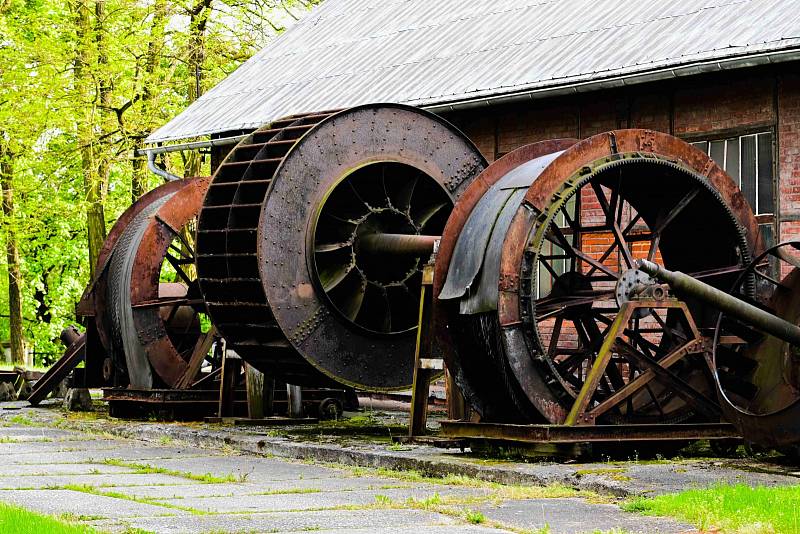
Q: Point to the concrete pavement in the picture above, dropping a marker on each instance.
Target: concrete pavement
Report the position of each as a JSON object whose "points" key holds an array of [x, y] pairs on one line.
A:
{"points": [[115, 484]]}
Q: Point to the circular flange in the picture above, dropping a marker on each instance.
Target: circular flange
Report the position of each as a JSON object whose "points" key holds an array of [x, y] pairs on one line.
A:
{"points": [[600, 158], [374, 292], [626, 287]]}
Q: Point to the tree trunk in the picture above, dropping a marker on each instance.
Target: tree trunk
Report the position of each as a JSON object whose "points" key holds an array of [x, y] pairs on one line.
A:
{"points": [[140, 171], [197, 55], [12, 254], [84, 86], [139, 164], [104, 115]]}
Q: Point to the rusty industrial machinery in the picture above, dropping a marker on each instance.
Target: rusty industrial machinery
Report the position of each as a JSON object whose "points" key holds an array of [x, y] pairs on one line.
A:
{"points": [[145, 324], [556, 313], [537, 266], [312, 237], [610, 289], [144, 302]]}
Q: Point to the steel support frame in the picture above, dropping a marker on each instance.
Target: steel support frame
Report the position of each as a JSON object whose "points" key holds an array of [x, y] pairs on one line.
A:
{"points": [[581, 412]]}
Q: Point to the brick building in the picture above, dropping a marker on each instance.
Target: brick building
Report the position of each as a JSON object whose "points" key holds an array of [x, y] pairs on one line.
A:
{"points": [[747, 120], [723, 75]]}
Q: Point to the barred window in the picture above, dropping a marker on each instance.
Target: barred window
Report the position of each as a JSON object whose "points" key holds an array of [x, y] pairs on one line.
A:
{"points": [[748, 160]]}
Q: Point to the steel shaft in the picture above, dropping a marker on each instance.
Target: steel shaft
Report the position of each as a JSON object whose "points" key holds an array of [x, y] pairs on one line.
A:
{"points": [[398, 244], [724, 302]]}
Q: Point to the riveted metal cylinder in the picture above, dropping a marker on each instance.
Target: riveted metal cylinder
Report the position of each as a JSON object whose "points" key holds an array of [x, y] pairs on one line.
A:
{"points": [[290, 263]]}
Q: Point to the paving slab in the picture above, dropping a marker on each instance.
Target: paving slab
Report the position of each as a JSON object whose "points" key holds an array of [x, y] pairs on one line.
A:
{"points": [[250, 488], [429, 529], [341, 520], [58, 502], [37, 447], [24, 433], [313, 501], [24, 470], [126, 451], [571, 516], [116, 480], [649, 478], [247, 469]]}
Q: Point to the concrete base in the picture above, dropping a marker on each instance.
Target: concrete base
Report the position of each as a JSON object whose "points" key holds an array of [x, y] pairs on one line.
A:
{"points": [[78, 400]]}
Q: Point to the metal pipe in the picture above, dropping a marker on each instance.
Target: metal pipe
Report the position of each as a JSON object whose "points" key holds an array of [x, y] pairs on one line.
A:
{"points": [[151, 164], [724, 302], [398, 244], [194, 145]]}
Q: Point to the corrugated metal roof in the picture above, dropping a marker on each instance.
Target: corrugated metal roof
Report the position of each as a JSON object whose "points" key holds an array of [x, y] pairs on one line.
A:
{"points": [[428, 53]]}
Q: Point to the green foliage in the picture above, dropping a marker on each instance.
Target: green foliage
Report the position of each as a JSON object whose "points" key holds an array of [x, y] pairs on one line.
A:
{"points": [[143, 64], [474, 517], [730, 508], [16, 520]]}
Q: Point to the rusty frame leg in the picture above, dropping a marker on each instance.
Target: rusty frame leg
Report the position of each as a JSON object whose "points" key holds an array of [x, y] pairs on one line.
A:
{"points": [[199, 353], [254, 382], [615, 341], [294, 394], [269, 396], [645, 378], [425, 366], [456, 404], [576, 414]]}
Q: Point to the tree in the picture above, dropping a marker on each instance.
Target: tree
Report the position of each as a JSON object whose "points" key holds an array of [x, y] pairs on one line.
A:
{"points": [[17, 344], [82, 83]]}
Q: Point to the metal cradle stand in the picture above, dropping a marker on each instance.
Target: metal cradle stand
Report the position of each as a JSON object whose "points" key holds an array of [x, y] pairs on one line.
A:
{"points": [[579, 428]]}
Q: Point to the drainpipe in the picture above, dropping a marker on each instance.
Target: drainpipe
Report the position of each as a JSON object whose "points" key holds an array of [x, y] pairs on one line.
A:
{"points": [[194, 145]]}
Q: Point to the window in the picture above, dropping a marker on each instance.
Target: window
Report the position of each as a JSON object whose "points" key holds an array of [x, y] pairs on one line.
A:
{"points": [[554, 255], [748, 160]]}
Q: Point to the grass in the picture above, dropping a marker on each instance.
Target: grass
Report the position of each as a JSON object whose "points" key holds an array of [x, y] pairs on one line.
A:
{"points": [[22, 420], [117, 495], [146, 469], [496, 491], [16, 520], [731, 508], [474, 517]]}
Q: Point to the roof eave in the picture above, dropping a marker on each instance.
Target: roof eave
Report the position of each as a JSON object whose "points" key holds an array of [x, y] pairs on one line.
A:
{"points": [[614, 81]]}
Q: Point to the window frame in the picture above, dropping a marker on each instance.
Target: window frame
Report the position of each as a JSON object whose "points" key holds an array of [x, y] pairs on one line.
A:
{"points": [[753, 130]]}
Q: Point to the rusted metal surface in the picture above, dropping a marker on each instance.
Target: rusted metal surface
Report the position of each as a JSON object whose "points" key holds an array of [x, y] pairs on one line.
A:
{"points": [[75, 353], [148, 328], [758, 374], [93, 301], [279, 260], [651, 196], [477, 378], [168, 333]]}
